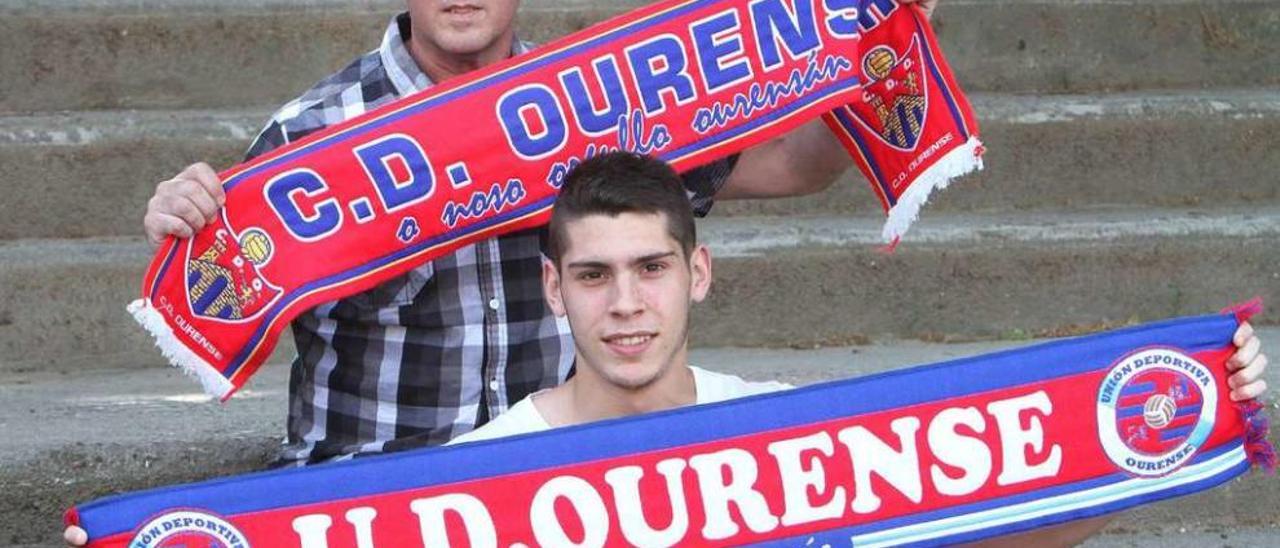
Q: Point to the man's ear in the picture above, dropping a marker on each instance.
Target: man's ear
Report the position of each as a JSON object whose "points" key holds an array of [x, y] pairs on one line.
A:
{"points": [[551, 287], [700, 268]]}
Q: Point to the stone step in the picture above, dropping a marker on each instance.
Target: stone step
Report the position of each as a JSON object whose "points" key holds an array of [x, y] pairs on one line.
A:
{"points": [[1060, 152], [112, 54], [62, 306], [955, 277], [90, 173], [73, 438], [980, 276]]}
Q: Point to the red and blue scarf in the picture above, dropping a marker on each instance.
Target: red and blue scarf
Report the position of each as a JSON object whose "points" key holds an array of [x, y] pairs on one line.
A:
{"points": [[688, 81], [952, 452]]}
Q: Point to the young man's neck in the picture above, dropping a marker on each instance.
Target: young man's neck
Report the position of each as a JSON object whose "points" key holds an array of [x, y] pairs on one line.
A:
{"points": [[588, 398], [440, 65]]}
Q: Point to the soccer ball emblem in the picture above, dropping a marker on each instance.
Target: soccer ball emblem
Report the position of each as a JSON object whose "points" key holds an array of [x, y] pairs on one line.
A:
{"points": [[1159, 410], [878, 62], [255, 245]]}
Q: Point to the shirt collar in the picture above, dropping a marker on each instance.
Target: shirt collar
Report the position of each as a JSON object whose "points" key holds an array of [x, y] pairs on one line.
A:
{"points": [[403, 71]]}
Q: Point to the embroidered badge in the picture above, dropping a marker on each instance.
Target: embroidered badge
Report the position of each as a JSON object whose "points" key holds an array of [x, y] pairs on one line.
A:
{"points": [[223, 280], [188, 529], [1155, 409]]}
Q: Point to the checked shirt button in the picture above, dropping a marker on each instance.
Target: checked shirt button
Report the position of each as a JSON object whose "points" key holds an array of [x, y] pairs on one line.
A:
{"points": [[493, 303]]}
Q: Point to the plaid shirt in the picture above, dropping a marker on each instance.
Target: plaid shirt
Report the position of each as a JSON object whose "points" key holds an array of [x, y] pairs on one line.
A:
{"points": [[442, 349]]}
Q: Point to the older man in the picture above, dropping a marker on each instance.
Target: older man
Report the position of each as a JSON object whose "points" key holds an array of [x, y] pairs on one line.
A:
{"points": [[448, 346]]}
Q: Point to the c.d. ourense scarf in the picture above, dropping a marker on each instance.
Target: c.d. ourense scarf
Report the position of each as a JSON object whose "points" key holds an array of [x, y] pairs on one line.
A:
{"points": [[688, 81], [936, 454]]}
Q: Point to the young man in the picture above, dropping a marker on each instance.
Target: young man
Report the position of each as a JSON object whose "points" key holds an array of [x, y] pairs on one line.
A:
{"points": [[451, 344], [624, 268]]}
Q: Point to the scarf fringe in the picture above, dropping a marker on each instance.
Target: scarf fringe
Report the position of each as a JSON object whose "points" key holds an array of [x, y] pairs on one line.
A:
{"points": [[179, 355], [1245, 310], [962, 160], [1256, 446]]}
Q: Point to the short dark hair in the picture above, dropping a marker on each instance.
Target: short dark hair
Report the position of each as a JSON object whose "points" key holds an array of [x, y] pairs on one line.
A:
{"points": [[621, 182]]}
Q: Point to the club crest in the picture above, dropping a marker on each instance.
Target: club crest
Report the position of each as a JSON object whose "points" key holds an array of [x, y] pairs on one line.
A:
{"points": [[188, 529], [1155, 409], [222, 274], [894, 98]]}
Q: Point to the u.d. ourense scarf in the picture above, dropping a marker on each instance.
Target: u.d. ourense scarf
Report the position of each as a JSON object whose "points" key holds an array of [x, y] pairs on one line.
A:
{"points": [[944, 453], [688, 81]]}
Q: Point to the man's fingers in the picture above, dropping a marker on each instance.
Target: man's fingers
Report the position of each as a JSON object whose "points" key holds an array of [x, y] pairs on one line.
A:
{"points": [[169, 195], [1245, 354], [185, 209], [75, 536], [1243, 333], [183, 205], [1250, 373], [207, 178], [206, 204], [1249, 391], [160, 225]]}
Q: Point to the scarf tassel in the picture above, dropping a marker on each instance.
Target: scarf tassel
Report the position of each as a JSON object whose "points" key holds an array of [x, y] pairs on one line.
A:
{"points": [[1257, 447], [1245, 310], [179, 355]]}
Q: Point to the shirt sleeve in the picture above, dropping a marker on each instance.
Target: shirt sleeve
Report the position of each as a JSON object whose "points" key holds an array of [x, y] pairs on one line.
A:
{"points": [[270, 138], [703, 182]]}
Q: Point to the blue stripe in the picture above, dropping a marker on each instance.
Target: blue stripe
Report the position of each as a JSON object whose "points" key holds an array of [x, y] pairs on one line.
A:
{"points": [[201, 306], [942, 84], [1102, 509], [1176, 433], [852, 130], [1189, 410], [1138, 388], [1020, 498], [844, 535], [663, 430], [1132, 410], [164, 267]]}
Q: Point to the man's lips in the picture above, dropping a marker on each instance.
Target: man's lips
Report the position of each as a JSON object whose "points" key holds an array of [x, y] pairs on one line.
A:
{"points": [[462, 9], [629, 344]]}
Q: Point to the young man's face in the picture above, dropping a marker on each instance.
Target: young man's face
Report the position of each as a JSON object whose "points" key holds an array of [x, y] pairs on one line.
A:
{"points": [[463, 27], [626, 287]]}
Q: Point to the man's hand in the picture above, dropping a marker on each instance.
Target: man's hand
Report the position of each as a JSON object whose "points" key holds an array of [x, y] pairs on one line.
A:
{"points": [[184, 204], [75, 536], [1248, 363], [927, 5]]}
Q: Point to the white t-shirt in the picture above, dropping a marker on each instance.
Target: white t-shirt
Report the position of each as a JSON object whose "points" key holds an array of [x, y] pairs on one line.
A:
{"points": [[710, 387]]}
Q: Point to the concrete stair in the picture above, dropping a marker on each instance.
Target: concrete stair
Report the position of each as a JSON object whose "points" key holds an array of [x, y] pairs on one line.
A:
{"points": [[204, 53], [961, 276], [1131, 176]]}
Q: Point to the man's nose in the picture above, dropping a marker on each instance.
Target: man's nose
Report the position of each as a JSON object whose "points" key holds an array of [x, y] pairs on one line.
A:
{"points": [[628, 298]]}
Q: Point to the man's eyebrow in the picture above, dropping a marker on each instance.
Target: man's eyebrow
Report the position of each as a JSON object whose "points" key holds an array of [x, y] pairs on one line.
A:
{"points": [[587, 264], [653, 257], [593, 263]]}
